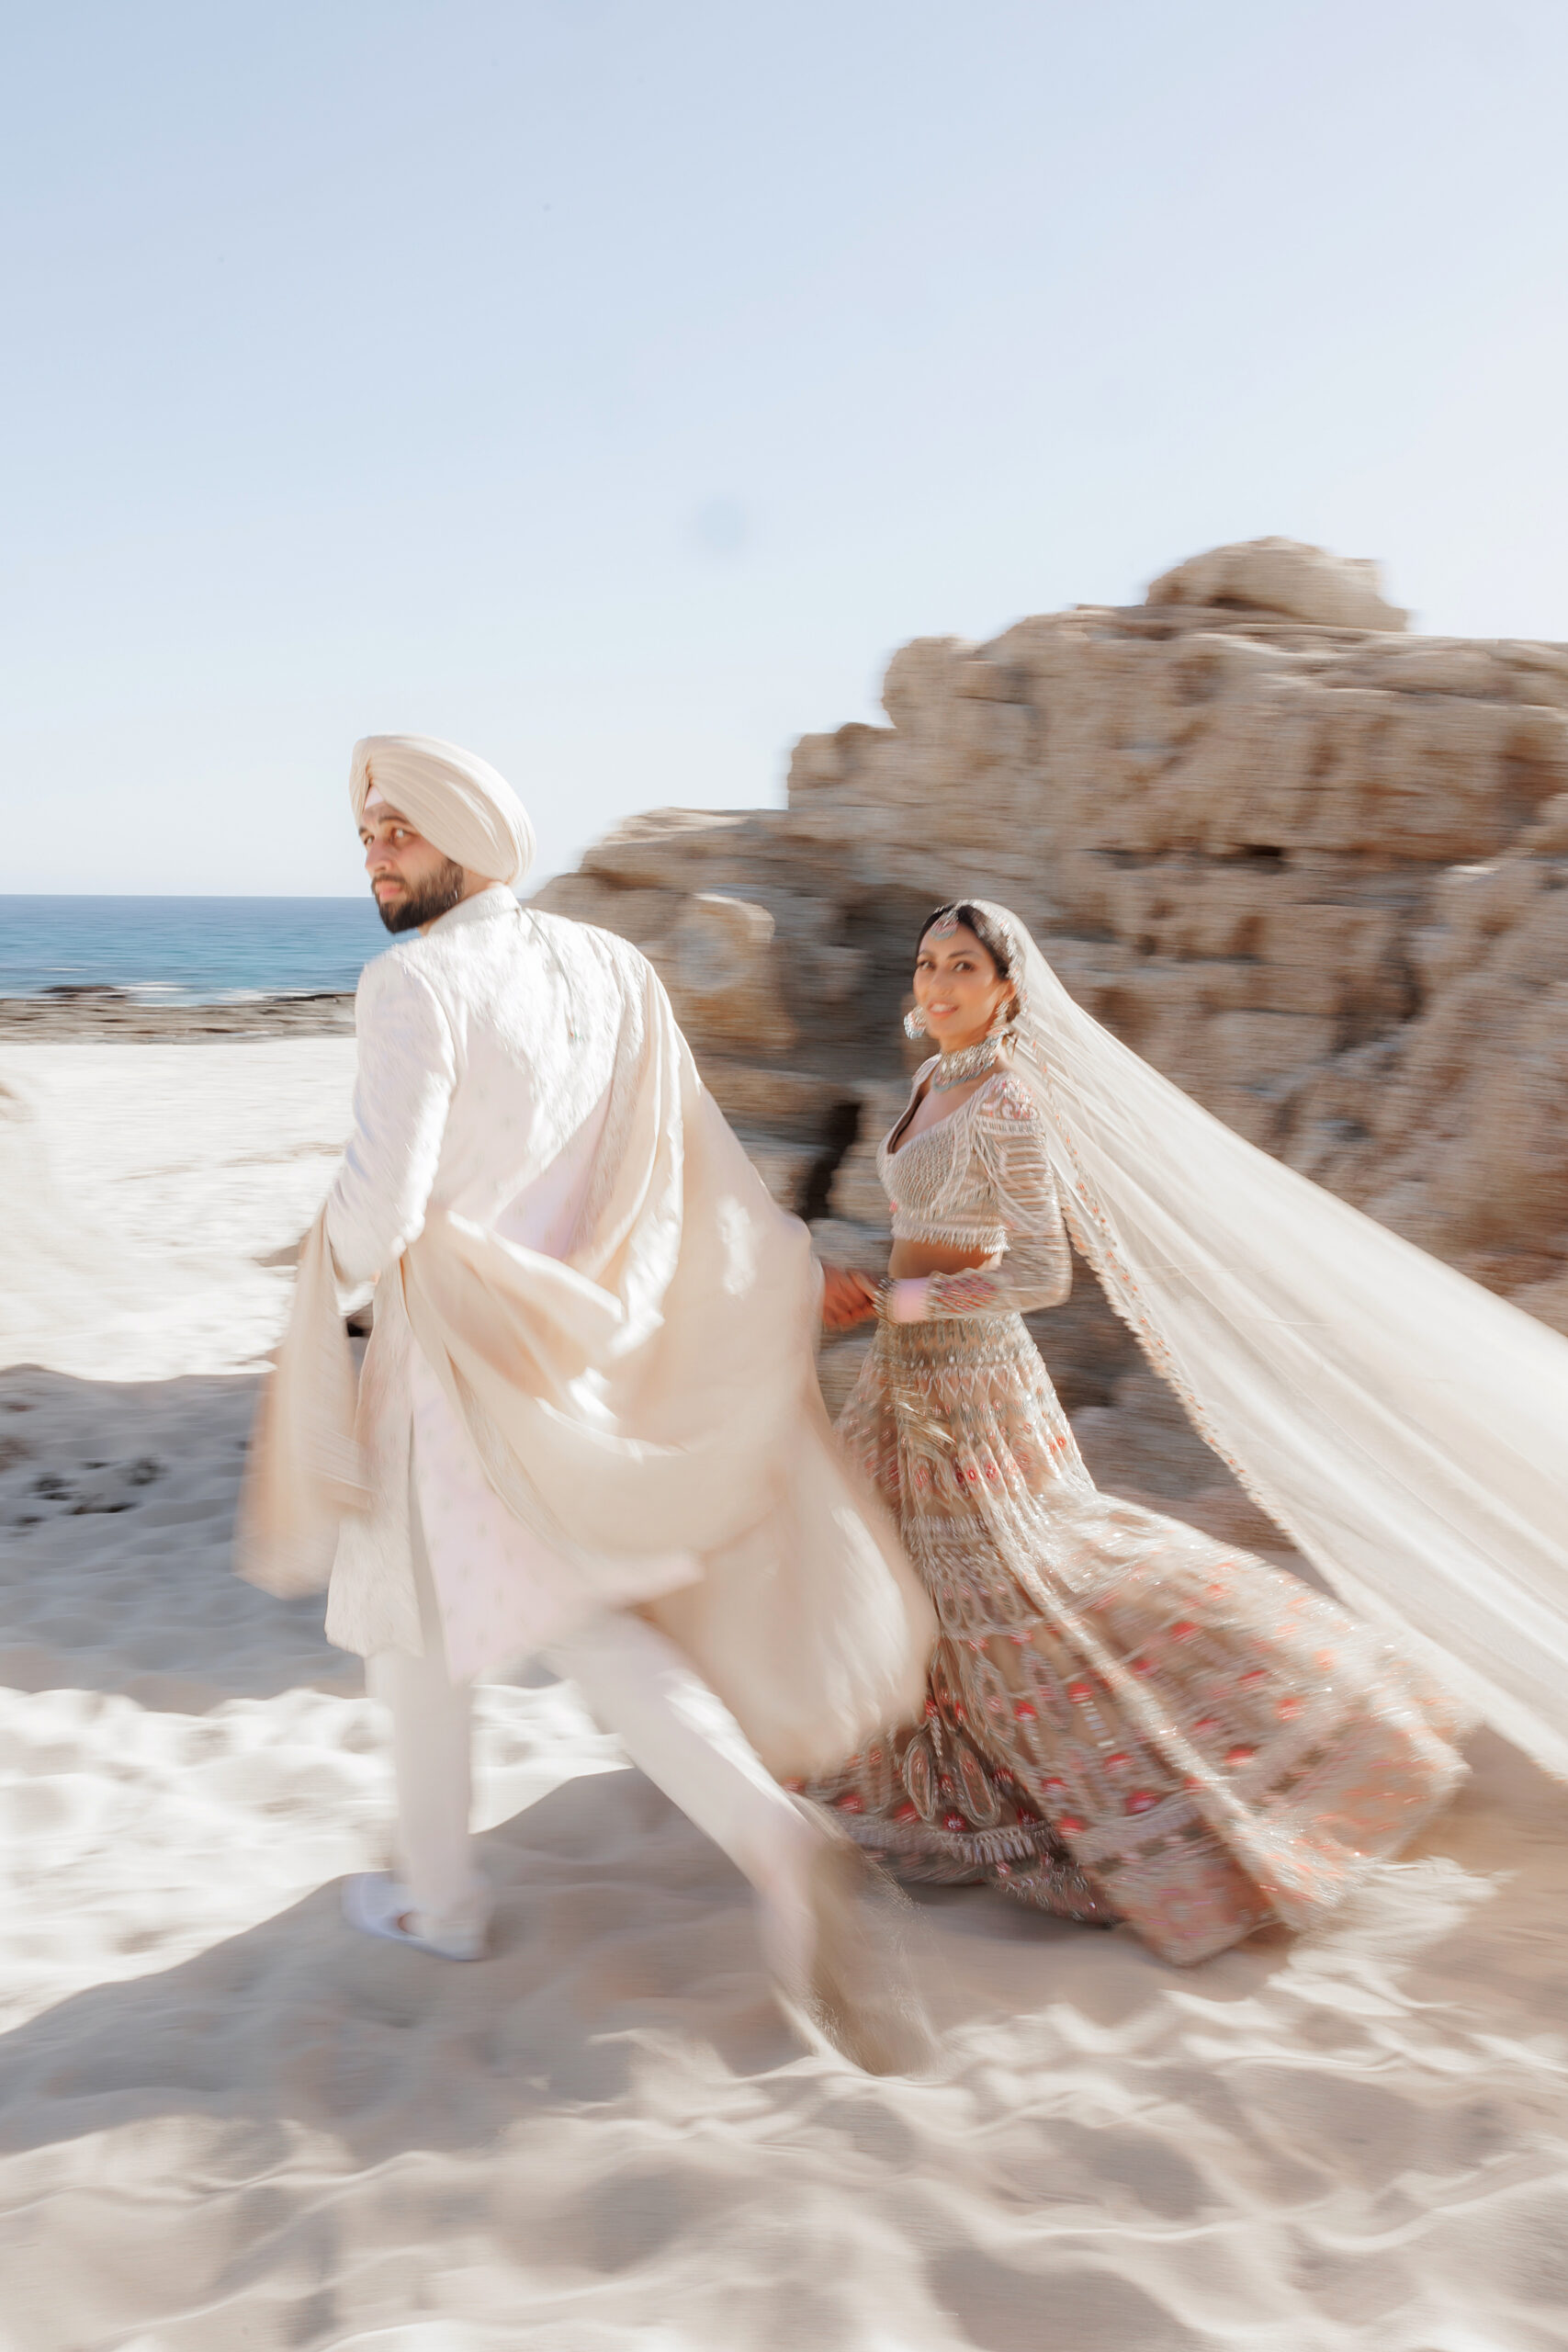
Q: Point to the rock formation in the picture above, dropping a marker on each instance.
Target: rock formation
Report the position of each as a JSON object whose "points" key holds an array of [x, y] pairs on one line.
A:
{"points": [[1309, 864]]}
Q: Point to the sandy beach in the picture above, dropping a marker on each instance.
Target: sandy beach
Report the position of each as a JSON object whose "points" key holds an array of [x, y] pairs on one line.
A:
{"points": [[225, 2121]]}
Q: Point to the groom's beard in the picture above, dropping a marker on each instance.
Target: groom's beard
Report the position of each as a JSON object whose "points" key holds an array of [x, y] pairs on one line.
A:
{"points": [[438, 897]]}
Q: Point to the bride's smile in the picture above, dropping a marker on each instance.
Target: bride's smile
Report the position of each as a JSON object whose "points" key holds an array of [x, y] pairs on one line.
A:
{"points": [[1124, 1720]]}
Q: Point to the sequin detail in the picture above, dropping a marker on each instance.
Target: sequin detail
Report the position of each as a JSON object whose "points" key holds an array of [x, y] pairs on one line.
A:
{"points": [[1125, 1719], [980, 1180]]}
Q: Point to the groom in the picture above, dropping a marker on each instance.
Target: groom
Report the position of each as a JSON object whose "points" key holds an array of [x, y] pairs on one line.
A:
{"points": [[585, 1425]]}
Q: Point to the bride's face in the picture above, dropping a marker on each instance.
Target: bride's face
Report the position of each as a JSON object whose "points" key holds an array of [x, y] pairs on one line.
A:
{"points": [[958, 987]]}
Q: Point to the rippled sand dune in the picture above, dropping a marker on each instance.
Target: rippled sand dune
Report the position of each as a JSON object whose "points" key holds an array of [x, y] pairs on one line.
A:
{"points": [[225, 2123]]}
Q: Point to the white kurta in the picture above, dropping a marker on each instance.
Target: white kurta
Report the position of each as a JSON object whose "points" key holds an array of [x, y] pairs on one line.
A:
{"points": [[486, 1051]]}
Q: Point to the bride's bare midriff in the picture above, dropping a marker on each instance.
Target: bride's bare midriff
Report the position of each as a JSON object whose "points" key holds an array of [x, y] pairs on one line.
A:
{"points": [[911, 1258]]}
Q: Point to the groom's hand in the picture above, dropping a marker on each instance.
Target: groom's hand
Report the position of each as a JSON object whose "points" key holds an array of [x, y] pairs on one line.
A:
{"points": [[847, 1299]]}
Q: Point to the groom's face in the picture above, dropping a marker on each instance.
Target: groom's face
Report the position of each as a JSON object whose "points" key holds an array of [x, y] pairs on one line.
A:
{"points": [[411, 881]]}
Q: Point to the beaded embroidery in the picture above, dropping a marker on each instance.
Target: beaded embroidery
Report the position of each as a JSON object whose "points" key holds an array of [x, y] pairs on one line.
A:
{"points": [[980, 1180], [1125, 1719]]}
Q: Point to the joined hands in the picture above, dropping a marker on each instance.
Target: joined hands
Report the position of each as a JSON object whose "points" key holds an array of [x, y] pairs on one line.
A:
{"points": [[848, 1298]]}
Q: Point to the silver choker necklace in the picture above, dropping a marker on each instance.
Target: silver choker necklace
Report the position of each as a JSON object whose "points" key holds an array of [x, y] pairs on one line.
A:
{"points": [[969, 1062]]}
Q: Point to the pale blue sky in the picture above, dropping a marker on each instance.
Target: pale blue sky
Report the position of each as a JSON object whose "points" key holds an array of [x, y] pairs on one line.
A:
{"points": [[613, 387]]}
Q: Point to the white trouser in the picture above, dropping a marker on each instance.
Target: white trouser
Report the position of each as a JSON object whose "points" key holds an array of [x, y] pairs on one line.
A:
{"points": [[637, 1685]]}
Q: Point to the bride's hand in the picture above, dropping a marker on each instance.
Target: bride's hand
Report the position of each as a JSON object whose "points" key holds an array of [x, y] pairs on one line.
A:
{"points": [[847, 1299]]}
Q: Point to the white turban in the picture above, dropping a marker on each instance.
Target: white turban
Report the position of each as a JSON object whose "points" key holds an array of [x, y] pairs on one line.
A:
{"points": [[457, 801]]}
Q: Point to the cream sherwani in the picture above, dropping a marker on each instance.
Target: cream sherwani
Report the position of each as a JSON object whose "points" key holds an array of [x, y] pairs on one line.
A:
{"points": [[483, 1087], [587, 1422], [486, 1056]]}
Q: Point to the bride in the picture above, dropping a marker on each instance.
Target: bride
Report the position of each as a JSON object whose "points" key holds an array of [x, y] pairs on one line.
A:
{"points": [[1126, 1720]]}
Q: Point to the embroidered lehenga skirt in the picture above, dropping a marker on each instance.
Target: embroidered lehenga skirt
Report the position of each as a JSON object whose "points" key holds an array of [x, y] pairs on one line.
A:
{"points": [[1126, 1720]]}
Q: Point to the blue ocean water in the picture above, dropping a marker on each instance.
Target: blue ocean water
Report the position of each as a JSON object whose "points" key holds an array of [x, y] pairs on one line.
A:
{"points": [[190, 951]]}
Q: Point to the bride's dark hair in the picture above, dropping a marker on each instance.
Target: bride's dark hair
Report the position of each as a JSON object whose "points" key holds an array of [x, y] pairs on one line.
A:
{"points": [[983, 927]]}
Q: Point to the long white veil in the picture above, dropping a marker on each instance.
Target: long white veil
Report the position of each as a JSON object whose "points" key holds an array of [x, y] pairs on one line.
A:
{"points": [[1406, 1429]]}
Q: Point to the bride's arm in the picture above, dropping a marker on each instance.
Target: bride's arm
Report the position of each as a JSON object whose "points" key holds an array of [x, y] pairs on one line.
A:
{"points": [[1036, 1269]]}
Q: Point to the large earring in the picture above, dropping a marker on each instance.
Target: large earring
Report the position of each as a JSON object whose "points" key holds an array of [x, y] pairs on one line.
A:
{"points": [[914, 1023], [1003, 1018]]}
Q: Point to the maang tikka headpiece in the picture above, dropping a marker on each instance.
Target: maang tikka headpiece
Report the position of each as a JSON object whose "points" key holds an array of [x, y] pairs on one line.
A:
{"points": [[1005, 1026], [943, 928]]}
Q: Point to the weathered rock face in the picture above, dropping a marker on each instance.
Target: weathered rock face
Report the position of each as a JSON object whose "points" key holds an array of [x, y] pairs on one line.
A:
{"points": [[1282, 576], [1313, 867]]}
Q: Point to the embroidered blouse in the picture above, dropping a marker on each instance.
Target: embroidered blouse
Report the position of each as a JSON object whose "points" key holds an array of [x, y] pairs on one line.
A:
{"points": [[980, 1179]]}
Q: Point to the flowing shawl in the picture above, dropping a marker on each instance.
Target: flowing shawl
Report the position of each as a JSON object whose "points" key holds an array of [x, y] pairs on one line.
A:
{"points": [[653, 1392], [1406, 1429]]}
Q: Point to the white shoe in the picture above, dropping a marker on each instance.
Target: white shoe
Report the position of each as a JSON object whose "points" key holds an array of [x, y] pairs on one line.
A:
{"points": [[833, 1941], [376, 1903]]}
